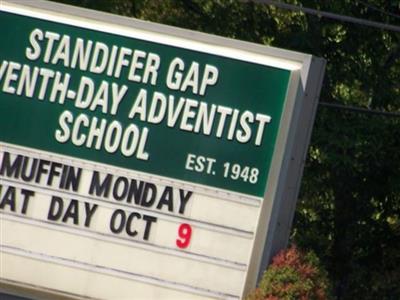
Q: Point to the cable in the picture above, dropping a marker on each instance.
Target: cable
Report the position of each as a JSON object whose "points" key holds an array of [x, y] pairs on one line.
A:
{"points": [[360, 109], [378, 9], [345, 19], [329, 15]]}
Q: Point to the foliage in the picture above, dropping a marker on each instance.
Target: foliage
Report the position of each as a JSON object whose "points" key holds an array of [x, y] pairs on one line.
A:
{"points": [[349, 204], [352, 217], [293, 275]]}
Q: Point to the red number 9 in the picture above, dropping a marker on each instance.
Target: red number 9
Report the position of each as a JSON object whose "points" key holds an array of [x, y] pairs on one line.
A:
{"points": [[184, 233]]}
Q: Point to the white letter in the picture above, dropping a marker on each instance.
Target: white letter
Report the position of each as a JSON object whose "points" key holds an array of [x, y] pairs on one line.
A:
{"points": [[113, 131], [159, 100], [122, 61], [210, 77], [65, 117], [82, 53], [152, 65], [3, 68], [224, 111], [51, 37], [25, 81], [190, 162], [188, 114], [141, 154], [46, 75], [192, 78], [96, 132], [34, 52], [176, 62], [95, 67], [111, 62], [62, 52], [173, 113], [10, 76], [101, 98], [263, 119], [136, 64], [243, 135], [81, 119], [232, 127], [205, 119], [85, 84], [117, 96], [139, 106], [59, 87], [129, 149]]}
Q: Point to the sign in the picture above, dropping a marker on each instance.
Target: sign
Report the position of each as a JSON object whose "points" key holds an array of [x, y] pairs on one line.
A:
{"points": [[143, 161]]}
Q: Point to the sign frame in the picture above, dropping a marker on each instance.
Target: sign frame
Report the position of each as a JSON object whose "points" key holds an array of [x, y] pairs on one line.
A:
{"points": [[279, 201]]}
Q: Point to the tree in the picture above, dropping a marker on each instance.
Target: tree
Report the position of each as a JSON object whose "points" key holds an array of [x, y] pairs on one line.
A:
{"points": [[293, 274]]}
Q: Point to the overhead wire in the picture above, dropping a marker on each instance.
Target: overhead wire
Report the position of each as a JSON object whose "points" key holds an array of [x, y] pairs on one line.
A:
{"points": [[360, 109], [344, 18], [382, 11], [330, 15]]}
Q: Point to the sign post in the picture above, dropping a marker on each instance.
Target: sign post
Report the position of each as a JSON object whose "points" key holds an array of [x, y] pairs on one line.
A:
{"points": [[144, 161]]}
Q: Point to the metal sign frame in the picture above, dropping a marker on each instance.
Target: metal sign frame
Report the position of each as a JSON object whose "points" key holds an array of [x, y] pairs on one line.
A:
{"points": [[284, 176]]}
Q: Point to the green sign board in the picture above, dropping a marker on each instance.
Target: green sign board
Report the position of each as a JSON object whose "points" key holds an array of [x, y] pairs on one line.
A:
{"points": [[139, 104]]}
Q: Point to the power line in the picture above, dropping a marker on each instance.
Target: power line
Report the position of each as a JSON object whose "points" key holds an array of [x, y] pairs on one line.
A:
{"points": [[345, 19], [329, 15], [373, 7], [360, 109]]}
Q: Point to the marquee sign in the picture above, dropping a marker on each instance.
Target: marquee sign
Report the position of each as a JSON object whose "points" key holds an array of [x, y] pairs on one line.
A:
{"points": [[143, 161]]}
